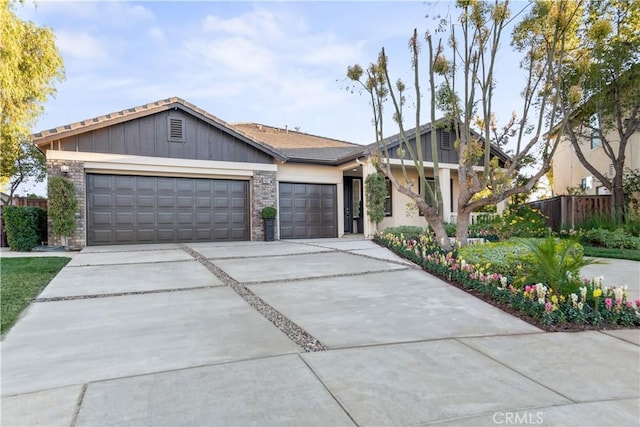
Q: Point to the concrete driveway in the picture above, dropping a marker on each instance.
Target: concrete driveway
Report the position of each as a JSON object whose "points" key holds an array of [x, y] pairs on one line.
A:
{"points": [[215, 334]]}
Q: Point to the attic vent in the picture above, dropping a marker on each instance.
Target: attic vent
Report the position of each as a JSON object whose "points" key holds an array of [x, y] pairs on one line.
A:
{"points": [[612, 171], [176, 129], [445, 140]]}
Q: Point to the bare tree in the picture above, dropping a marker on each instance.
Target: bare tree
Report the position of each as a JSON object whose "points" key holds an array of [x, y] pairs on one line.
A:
{"points": [[465, 92]]}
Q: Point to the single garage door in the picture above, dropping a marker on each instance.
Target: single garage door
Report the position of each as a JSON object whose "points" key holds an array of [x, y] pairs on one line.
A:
{"points": [[124, 209], [307, 211]]}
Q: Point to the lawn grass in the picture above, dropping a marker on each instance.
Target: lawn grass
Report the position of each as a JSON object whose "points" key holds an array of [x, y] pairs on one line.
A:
{"points": [[599, 252], [21, 280]]}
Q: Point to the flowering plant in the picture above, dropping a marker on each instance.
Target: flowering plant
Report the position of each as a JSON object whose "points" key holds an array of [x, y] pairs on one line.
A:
{"points": [[593, 303]]}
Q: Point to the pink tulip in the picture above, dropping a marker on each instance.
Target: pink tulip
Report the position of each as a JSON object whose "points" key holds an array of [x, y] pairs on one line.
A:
{"points": [[608, 303]]}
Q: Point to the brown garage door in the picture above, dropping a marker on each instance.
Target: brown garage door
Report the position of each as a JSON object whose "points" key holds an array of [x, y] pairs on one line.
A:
{"points": [[307, 211], [125, 209]]}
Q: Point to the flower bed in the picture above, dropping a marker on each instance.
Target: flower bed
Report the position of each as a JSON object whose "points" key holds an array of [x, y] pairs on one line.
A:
{"points": [[594, 306]]}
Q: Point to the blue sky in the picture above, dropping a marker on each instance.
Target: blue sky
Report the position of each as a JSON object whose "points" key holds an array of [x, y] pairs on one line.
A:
{"points": [[276, 63]]}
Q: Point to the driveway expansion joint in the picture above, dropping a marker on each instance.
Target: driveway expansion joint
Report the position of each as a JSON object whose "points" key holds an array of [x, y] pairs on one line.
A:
{"points": [[512, 369], [302, 338], [121, 294], [79, 404], [328, 276]]}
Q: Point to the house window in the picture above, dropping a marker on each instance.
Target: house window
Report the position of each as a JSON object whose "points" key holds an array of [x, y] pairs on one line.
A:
{"points": [[429, 198], [445, 140], [175, 128], [388, 200], [586, 183], [595, 139]]}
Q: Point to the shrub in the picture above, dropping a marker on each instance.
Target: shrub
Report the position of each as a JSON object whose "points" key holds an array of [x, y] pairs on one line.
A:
{"points": [[269, 212], [617, 238], [506, 257], [450, 228], [62, 206], [408, 231], [24, 226], [376, 190], [556, 263]]}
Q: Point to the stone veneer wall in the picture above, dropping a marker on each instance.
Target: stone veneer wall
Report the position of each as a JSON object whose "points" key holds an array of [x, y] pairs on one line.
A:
{"points": [[263, 193], [76, 174]]}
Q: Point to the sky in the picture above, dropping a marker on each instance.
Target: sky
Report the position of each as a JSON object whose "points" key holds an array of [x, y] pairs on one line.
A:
{"points": [[276, 63]]}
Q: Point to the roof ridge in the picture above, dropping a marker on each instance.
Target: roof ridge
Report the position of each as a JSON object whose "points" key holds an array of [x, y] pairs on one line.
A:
{"points": [[112, 115], [287, 130]]}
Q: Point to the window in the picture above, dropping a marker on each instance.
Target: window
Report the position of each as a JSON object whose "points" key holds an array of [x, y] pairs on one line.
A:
{"points": [[388, 200], [175, 128], [594, 124], [445, 140], [586, 183], [595, 139], [428, 197]]}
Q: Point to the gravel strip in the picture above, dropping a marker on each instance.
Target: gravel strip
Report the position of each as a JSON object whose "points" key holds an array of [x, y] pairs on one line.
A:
{"points": [[298, 335], [121, 294]]}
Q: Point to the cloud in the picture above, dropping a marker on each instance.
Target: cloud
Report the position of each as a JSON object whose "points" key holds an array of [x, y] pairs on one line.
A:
{"points": [[156, 33], [81, 46], [257, 24]]}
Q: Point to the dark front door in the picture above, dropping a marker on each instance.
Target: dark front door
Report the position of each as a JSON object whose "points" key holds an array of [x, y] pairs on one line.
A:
{"points": [[307, 210], [125, 209], [348, 205]]}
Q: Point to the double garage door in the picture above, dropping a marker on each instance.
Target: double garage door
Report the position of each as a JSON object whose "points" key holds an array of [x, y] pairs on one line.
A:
{"points": [[308, 211], [124, 209]]}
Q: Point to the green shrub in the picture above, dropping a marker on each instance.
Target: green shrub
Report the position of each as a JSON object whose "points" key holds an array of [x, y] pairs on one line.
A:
{"points": [[408, 231], [555, 263], [501, 257], [24, 226], [376, 191], [62, 206], [269, 212], [450, 228], [617, 238]]}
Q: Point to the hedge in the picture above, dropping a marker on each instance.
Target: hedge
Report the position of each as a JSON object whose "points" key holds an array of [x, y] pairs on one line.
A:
{"points": [[25, 227]]}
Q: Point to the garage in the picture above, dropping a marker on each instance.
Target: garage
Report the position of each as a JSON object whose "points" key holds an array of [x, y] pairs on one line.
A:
{"points": [[123, 209], [307, 211]]}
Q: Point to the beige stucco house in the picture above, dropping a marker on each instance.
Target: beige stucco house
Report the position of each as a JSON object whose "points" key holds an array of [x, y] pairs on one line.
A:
{"points": [[569, 173], [169, 171]]}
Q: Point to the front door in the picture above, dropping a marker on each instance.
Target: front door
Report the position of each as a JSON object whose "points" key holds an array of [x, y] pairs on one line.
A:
{"points": [[348, 205]]}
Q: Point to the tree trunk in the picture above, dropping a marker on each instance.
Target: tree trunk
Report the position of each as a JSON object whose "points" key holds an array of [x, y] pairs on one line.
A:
{"points": [[437, 225], [617, 200], [462, 228]]}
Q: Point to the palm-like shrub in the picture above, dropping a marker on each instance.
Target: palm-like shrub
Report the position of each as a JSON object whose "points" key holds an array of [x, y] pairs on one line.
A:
{"points": [[555, 263]]}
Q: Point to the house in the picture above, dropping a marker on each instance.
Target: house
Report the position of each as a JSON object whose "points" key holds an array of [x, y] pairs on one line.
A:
{"points": [[169, 171], [570, 175], [400, 210]]}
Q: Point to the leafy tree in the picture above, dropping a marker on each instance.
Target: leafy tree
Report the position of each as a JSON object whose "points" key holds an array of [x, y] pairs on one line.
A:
{"points": [[29, 163], [29, 65], [605, 74], [464, 71]]}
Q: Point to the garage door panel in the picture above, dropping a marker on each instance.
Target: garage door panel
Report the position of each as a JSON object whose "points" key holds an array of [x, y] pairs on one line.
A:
{"points": [[138, 209], [145, 201], [307, 210], [123, 201]]}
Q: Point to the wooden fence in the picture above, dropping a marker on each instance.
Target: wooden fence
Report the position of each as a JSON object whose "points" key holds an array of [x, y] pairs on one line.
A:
{"points": [[566, 212]]}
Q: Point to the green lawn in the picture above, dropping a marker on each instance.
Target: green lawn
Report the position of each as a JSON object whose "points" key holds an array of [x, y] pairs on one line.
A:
{"points": [[21, 280], [599, 252]]}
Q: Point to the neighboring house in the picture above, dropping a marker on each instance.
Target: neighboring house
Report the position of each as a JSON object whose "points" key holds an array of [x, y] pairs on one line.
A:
{"points": [[169, 171], [569, 173]]}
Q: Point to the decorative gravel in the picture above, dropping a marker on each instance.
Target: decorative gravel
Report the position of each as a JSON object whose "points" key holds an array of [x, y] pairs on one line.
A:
{"points": [[298, 335]]}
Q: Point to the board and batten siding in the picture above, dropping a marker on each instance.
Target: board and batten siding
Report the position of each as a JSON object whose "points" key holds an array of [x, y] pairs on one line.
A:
{"points": [[149, 136], [445, 155]]}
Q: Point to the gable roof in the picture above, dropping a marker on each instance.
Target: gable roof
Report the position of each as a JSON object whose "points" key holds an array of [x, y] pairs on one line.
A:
{"points": [[302, 147], [394, 140], [44, 137]]}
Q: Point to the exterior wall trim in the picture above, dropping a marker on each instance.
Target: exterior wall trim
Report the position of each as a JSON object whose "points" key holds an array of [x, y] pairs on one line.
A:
{"points": [[144, 163]]}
